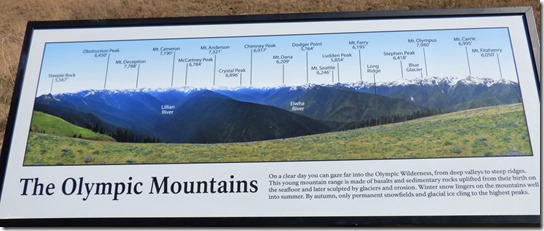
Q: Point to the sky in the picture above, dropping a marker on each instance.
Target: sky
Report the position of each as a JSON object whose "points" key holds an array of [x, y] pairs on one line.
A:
{"points": [[313, 58]]}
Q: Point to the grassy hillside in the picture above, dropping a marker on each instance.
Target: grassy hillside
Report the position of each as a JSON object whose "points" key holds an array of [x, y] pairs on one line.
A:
{"points": [[16, 13], [491, 131], [48, 124]]}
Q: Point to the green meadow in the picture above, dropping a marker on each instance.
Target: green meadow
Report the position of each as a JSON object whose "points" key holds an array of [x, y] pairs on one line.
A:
{"points": [[45, 123], [490, 131]]}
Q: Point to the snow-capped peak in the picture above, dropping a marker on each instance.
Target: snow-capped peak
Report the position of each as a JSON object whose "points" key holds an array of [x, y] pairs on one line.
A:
{"points": [[451, 81]]}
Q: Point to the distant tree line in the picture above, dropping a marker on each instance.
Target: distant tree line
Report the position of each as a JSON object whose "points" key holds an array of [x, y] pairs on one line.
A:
{"points": [[124, 135], [389, 119]]}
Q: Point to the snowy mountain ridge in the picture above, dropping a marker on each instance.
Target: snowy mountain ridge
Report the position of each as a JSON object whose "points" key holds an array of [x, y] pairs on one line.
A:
{"points": [[449, 81]]}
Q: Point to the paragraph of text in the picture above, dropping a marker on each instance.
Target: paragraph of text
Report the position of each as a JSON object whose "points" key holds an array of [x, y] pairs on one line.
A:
{"points": [[401, 184]]}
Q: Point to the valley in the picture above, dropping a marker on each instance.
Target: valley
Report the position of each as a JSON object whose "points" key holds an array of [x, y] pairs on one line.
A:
{"points": [[202, 115], [484, 132]]}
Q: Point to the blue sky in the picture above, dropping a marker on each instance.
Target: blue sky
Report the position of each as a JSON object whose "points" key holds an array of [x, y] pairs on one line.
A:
{"points": [[445, 57]]}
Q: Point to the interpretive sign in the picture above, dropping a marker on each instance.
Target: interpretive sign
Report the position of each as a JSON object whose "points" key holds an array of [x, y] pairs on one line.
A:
{"points": [[379, 118]]}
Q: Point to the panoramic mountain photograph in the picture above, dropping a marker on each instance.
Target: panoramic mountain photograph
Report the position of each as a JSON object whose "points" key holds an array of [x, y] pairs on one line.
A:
{"points": [[425, 118]]}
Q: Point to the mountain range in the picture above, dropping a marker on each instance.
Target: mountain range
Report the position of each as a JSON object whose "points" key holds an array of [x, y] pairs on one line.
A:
{"points": [[223, 115]]}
